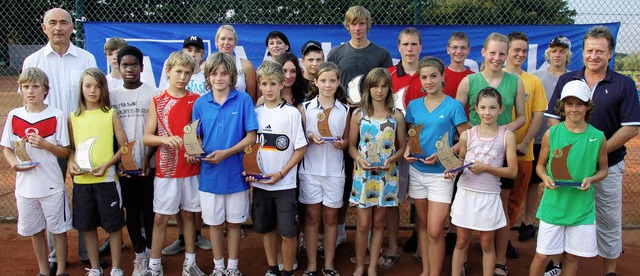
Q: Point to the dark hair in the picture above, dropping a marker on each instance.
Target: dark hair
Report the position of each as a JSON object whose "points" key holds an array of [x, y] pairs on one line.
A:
{"points": [[341, 93], [431, 61], [374, 77], [517, 36], [281, 36], [130, 50], [489, 92], [301, 85], [601, 31], [559, 109]]}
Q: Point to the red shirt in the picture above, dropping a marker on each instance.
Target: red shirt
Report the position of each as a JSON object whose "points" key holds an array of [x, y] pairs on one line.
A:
{"points": [[401, 80], [452, 80]]}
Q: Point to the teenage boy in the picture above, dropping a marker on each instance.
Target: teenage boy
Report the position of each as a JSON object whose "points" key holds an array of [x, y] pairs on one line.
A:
{"points": [[176, 183], [228, 125], [283, 144], [355, 59], [111, 49], [136, 189], [312, 57], [41, 131]]}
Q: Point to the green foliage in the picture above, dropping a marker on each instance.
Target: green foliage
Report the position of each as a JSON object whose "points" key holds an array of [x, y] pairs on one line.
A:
{"points": [[628, 62]]}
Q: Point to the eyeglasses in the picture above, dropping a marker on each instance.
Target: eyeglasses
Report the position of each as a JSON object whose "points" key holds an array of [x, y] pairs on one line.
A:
{"points": [[456, 48], [130, 66]]}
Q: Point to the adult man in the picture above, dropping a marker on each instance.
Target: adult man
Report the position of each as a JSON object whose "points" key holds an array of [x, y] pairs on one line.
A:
{"points": [[64, 63], [355, 59], [618, 116]]}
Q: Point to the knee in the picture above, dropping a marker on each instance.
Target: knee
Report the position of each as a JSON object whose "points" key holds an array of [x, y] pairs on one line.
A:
{"points": [[363, 227], [330, 220], [487, 246], [541, 258], [312, 219], [435, 233], [160, 220], [570, 258], [378, 225]]}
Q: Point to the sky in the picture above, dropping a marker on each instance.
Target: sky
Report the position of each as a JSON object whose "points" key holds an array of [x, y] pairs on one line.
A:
{"points": [[602, 11]]}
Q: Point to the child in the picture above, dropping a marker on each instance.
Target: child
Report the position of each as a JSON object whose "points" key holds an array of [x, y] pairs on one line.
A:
{"points": [[283, 145], [40, 193], [228, 125], [567, 215], [137, 190], [194, 47], [111, 49], [477, 205], [322, 172], [312, 57], [380, 126], [175, 187], [438, 113], [96, 195]]}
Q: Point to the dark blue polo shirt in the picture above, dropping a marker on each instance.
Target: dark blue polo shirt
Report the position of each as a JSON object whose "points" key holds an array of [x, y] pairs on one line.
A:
{"points": [[616, 105]]}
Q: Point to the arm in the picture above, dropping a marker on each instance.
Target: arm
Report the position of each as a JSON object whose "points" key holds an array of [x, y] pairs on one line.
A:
{"points": [[38, 142], [250, 77], [121, 138], [10, 156], [462, 152], [541, 167], [519, 103], [354, 130], [273, 178], [603, 168], [150, 138], [344, 141], [463, 91], [511, 170], [621, 136], [217, 156], [73, 167], [401, 139], [536, 121]]}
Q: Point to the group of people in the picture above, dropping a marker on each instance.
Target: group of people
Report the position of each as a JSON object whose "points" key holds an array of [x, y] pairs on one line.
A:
{"points": [[354, 130]]}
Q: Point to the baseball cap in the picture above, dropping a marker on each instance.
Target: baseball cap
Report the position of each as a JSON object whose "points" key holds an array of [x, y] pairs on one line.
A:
{"points": [[193, 40], [560, 41], [578, 89], [311, 44]]}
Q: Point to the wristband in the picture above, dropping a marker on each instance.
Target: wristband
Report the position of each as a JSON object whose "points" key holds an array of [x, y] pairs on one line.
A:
{"points": [[281, 176]]}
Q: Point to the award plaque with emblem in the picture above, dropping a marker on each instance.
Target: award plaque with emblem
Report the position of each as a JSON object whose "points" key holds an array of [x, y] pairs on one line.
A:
{"points": [[83, 154], [447, 156], [372, 155], [24, 160], [413, 137], [252, 162], [192, 144], [559, 168], [353, 90], [127, 159], [323, 126]]}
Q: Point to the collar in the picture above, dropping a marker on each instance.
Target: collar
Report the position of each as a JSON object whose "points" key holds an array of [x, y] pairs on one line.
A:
{"points": [[232, 94], [400, 69], [607, 78], [72, 50], [315, 103]]}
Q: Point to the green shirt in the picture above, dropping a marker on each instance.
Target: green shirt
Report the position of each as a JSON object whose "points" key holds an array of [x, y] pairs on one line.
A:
{"points": [[508, 88]]}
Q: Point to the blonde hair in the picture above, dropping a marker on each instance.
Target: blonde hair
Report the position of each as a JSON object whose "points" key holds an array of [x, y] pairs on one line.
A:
{"points": [[105, 102], [374, 77], [114, 43], [357, 13], [228, 28], [270, 70], [493, 37], [36, 75], [547, 54], [227, 62], [178, 58]]}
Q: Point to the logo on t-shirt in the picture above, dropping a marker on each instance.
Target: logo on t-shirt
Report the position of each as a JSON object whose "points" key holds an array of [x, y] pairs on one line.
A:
{"points": [[267, 128], [44, 128]]}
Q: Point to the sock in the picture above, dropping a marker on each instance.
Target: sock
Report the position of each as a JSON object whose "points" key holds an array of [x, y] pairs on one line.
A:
{"points": [[274, 269], [155, 264], [287, 273], [341, 231], [147, 252], [181, 239], [198, 233], [140, 255], [232, 264], [189, 259], [218, 263]]}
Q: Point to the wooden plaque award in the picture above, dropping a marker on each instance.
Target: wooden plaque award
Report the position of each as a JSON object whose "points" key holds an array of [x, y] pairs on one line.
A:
{"points": [[323, 126], [447, 157], [128, 160], [415, 148], [24, 160], [83, 154], [559, 168], [252, 162], [192, 145]]}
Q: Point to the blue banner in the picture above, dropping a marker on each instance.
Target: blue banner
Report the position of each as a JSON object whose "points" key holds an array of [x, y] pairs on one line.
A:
{"points": [[158, 40]]}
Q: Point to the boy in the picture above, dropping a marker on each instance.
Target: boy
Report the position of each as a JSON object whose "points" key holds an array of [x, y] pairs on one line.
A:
{"points": [[111, 49], [567, 214], [284, 144], [176, 183], [228, 125], [312, 57], [193, 46], [41, 198], [137, 190]]}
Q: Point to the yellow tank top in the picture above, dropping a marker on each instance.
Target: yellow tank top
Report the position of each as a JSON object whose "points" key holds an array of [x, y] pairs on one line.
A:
{"points": [[95, 125]]}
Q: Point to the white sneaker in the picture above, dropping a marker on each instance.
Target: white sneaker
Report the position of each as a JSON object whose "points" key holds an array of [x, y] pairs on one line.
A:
{"points": [[556, 271], [150, 272], [233, 272], [269, 273], [93, 272], [192, 270], [218, 272], [173, 248], [203, 242], [117, 272], [341, 240], [295, 266], [140, 266]]}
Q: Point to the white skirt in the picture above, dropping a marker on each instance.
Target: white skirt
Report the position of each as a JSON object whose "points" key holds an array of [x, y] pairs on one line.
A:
{"points": [[477, 210]]}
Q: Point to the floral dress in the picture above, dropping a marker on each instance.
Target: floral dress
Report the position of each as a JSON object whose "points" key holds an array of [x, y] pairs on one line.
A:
{"points": [[376, 187]]}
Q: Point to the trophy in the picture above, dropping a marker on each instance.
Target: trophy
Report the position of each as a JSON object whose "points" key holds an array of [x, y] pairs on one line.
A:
{"points": [[353, 90], [373, 156], [323, 126], [192, 145], [559, 168], [415, 148], [83, 154], [252, 162], [24, 160], [398, 99], [128, 161], [447, 157]]}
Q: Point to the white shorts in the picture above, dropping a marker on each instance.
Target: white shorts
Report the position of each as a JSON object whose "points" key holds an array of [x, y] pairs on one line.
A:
{"points": [[403, 182], [432, 186], [218, 208], [51, 212], [170, 195], [579, 240], [321, 189], [477, 210]]}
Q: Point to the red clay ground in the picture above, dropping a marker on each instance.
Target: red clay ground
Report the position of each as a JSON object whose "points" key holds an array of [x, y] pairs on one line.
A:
{"points": [[17, 256]]}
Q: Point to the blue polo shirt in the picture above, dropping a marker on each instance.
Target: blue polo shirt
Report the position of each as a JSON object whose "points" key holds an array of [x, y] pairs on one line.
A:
{"points": [[222, 127], [616, 105]]}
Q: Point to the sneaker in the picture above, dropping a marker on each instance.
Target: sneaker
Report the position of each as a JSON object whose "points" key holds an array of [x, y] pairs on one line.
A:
{"points": [[192, 270], [270, 273], [527, 232], [553, 269], [173, 248], [330, 272], [295, 266], [233, 272], [140, 266], [93, 272], [117, 272], [218, 272], [512, 252], [203, 242], [150, 272], [302, 248], [341, 240]]}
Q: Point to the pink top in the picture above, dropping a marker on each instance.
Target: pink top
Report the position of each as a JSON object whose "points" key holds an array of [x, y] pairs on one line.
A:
{"points": [[490, 151]]}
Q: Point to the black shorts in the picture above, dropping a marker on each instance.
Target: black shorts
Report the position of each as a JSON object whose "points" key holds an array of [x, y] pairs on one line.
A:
{"points": [[271, 209], [506, 183], [535, 179], [97, 205]]}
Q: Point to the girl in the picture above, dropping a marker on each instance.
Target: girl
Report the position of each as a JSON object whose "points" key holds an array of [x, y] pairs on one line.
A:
{"points": [[567, 215], [322, 169], [96, 195], [511, 88], [477, 204], [380, 126], [430, 191], [295, 85], [226, 41]]}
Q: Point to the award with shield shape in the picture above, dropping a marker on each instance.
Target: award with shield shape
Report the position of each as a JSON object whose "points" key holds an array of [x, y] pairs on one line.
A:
{"points": [[353, 90], [24, 160], [83, 154], [559, 168], [127, 159], [415, 148], [192, 144], [447, 157], [252, 162], [323, 126]]}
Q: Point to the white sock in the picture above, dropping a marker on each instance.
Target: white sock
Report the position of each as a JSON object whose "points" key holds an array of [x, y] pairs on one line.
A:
{"points": [[232, 264], [155, 264], [189, 259], [140, 255], [218, 263], [147, 252], [341, 231]]}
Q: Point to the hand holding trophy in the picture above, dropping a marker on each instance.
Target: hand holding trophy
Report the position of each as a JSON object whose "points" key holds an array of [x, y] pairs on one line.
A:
{"points": [[447, 157], [252, 162], [24, 160], [323, 126], [192, 144]]}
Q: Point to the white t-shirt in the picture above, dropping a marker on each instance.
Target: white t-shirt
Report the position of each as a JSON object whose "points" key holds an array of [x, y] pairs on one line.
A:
{"points": [[241, 81], [280, 131], [113, 83], [46, 178], [133, 107]]}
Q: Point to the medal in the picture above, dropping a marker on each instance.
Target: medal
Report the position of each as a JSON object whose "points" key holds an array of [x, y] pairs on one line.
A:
{"points": [[439, 145], [124, 150], [187, 129], [412, 132], [557, 153], [248, 150], [321, 117]]}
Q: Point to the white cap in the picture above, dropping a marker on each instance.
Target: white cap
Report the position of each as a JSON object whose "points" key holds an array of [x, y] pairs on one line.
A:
{"points": [[578, 89]]}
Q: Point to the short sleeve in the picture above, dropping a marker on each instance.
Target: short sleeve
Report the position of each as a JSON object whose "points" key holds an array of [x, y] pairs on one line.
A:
{"points": [[298, 135], [630, 107], [409, 116], [539, 100], [551, 113], [62, 130], [459, 115], [6, 133], [250, 119]]}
